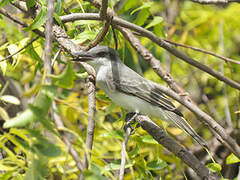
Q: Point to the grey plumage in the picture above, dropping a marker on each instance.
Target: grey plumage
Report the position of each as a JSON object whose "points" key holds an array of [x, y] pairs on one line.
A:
{"points": [[130, 90]]}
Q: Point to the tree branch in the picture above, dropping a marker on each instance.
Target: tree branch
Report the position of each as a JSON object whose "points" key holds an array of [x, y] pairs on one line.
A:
{"points": [[203, 51], [168, 78], [162, 138], [215, 1], [159, 41]]}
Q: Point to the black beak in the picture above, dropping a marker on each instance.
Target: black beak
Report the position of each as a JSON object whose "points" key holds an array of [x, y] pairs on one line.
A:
{"points": [[83, 56]]}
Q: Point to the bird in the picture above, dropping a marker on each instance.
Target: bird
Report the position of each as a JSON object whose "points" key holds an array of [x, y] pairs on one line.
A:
{"points": [[130, 90]]}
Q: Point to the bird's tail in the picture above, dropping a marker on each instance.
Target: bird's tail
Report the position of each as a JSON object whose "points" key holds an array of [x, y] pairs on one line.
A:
{"points": [[182, 124]]}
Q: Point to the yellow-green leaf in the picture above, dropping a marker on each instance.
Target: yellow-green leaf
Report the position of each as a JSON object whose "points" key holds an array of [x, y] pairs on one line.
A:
{"points": [[39, 20], [4, 114], [156, 20], [3, 65], [232, 159], [66, 78]]}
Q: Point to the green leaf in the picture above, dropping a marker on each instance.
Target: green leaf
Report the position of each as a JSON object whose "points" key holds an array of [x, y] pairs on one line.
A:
{"points": [[38, 168], [58, 19], [84, 22], [49, 90], [81, 75], [156, 20], [102, 97], [134, 152], [144, 6], [142, 17], [10, 99], [115, 166], [214, 167], [66, 78], [148, 139], [36, 111], [30, 3], [34, 55], [43, 145], [4, 2], [157, 164], [21, 120], [39, 20], [58, 7], [86, 35], [231, 159]]}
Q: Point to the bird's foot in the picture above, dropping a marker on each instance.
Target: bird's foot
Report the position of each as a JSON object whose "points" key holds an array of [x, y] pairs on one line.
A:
{"points": [[130, 120]]}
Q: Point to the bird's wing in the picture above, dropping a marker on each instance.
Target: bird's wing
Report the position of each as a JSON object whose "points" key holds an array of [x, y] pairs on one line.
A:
{"points": [[139, 87]]}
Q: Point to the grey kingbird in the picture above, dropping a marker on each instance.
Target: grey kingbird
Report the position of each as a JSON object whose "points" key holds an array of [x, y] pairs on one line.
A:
{"points": [[130, 90]]}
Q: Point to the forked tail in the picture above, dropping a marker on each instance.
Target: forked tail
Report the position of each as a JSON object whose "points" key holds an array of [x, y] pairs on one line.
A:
{"points": [[182, 124]]}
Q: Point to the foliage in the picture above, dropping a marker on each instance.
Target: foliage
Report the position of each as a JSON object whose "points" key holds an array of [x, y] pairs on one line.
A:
{"points": [[37, 151]]}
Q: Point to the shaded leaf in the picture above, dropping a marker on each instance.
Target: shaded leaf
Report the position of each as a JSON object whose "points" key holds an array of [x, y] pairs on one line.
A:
{"points": [[157, 164], [30, 3], [4, 2], [39, 20]]}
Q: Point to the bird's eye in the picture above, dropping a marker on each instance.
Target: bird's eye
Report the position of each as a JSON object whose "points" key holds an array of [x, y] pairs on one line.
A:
{"points": [[101, 54]]}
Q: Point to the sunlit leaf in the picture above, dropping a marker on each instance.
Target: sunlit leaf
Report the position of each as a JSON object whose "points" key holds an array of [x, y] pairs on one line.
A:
{"points": [[148, 139], [3, 65], [142, 17], [214, 167], [10, 99], [13, 48], [66, 78], [231, 159], [4, 114], [156, 20], [144, 6]]}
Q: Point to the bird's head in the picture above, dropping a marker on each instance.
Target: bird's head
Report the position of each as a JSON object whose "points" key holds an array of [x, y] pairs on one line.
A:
{"points": [[97, 56]]}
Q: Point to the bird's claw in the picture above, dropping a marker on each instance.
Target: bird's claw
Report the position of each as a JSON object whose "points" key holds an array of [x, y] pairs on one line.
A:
{"points": [[130, 120]]}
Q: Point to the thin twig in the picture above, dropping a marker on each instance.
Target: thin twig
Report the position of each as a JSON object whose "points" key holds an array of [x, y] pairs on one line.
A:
{"points": [[55, 57], [28, 44], [215, 1], [91, 122], [123, 153], [48, 37], [203, 51], [203, 116], [100, 36]]}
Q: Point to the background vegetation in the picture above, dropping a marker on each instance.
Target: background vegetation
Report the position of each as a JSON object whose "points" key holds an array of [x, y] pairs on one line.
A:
{"points": [[33, 145]]}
